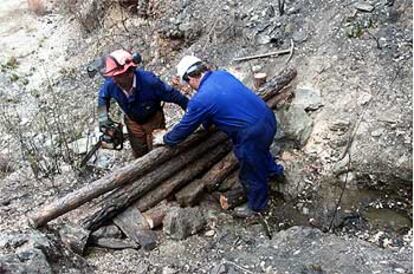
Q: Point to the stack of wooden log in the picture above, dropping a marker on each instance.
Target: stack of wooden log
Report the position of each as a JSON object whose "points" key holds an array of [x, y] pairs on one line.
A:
{"points": [[203, 164]]}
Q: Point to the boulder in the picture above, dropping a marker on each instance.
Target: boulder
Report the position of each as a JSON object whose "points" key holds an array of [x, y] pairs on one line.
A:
{"points": [[295, 124], [180, 223], [34, 252], [308, 99], [302, 249]]}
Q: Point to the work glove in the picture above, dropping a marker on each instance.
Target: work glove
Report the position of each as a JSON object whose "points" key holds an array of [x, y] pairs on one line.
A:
{"points": [[103, 119], [158, 137]]}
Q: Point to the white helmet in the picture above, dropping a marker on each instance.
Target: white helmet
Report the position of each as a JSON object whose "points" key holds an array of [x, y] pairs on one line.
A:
{"points": [[187, 65]]}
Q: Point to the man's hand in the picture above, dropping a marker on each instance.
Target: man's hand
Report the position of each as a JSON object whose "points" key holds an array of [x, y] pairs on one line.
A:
{"points": [[158, 137]]}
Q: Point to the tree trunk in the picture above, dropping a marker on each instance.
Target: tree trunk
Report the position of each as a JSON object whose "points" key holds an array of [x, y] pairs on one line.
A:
{"points": [[229, 181], [183, 177], [189, 195], [275, 85], [121, 198], [233, 197], [219, 171], [118, 178], [155, 215]]}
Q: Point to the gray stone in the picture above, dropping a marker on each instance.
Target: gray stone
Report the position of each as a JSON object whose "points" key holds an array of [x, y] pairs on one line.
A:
{"points": [[26, 261], [377, 132], [264, 39], [90, 14], [364, 98], [256, 68], [169, 270], [109, 231], [37, 253], [294, 178], [180, 223], [341, 166], [74, 237], [339, 125], [300, 249], [308, 99], [219, 269], [83, 145], [295, 123], [299, 36], [362, 6], [5, 164]]}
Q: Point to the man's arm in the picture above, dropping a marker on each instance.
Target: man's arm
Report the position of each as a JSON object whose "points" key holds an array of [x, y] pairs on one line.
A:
{"points": [[169, 94], [196, 114], [104, 102]]}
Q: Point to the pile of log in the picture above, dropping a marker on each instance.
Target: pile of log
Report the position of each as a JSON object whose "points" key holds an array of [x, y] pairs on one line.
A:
{"points": [[130, 197]]}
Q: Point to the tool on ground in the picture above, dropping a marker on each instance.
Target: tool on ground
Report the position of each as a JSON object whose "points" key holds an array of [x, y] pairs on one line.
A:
{"points": [[112, 138]]}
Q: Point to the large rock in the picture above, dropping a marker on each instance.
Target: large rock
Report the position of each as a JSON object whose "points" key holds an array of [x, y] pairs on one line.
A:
{"points": [[37, 253], [295, 176], [179, 223], [308, 250], [308, 99], [241, 249], [295, 124], [90, 13]]}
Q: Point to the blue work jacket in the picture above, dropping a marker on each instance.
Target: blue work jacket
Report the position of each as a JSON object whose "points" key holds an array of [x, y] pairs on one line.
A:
{"points": [[145, 100], [224, 101]]}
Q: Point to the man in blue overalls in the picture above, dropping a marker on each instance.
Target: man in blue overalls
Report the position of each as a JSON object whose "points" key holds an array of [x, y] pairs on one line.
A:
{"points": [[233, 108], [139, 93]]}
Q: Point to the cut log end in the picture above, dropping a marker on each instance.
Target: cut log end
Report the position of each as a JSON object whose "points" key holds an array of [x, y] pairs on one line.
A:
{"points": [[224, 202], [259, 79], [232, 198]]}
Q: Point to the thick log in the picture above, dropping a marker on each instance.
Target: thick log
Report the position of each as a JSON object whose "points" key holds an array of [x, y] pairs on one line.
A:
{"points": [[155, 215], [219, 171], [121, 198], [280, 99], [183, 177], [275, 85], [233, 197], [229, 181], [259, 79], [118, 178], [135, 226], [189, 194]]}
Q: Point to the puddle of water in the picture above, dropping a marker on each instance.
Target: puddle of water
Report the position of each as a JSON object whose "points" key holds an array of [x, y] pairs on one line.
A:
{"points": [[359, 200], [385, 217]]}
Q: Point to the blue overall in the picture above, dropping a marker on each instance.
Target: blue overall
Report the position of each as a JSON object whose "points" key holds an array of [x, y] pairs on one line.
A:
{"points": [[224, 101]]}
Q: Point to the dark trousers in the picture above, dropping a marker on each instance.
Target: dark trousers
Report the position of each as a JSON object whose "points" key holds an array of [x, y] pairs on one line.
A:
{"points": [[140, 135], [256, 161]]}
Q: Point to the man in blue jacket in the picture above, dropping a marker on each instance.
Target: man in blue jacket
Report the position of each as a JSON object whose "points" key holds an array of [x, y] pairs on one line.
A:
{"points": [[224, 101], [139, 93]]}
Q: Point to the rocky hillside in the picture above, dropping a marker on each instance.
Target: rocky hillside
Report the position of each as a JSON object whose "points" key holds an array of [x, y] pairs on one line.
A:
{"points": [[345, 139]]}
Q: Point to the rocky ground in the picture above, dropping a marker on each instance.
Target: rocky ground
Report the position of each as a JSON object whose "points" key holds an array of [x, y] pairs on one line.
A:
{"points": [[350, 124]]}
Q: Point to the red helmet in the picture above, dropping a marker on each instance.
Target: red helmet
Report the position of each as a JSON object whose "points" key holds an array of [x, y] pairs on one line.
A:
{"points": [[117, 62]]}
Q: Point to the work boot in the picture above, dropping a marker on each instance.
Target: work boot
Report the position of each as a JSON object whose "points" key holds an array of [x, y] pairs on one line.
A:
{"points": [[278, 178], [244, 211]]}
